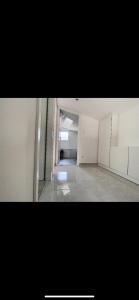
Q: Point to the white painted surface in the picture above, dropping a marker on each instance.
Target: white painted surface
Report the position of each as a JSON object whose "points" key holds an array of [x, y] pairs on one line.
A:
{"points": [[72, 141], [42, 138], [133, 170], [55, 132], [57, 123], [104, 141], [124, 137], [37, 149], [115, 132], [98, 108], [87, 140], [119, 159], [129, 128], [50, 145], [17, 141]]}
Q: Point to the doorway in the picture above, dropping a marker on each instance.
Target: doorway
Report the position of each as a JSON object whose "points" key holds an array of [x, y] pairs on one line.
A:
{"points": [[44, 144], [67, 138]]}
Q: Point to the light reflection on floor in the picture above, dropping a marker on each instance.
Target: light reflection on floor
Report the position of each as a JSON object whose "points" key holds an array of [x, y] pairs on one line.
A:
{"points": [[62, 176], [88, 184], [65, 192]]}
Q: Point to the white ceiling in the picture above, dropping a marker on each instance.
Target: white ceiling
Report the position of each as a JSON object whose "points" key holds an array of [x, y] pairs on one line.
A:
{"points": [[97, 107]]}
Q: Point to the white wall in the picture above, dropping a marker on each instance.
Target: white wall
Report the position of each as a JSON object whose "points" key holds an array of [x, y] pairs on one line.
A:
{"points": [[17, 141], [129, 128], [88, 140], [72, 141]]}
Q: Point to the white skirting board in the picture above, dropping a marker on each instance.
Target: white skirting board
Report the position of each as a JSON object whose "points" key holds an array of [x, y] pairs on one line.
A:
{"points": [[119, 173]]}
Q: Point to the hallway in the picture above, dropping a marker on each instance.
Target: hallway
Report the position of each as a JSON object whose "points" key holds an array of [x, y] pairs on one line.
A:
{"points": [[90, 132], [90, 184]]}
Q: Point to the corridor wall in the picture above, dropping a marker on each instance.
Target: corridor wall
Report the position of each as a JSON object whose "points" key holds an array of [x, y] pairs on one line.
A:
{"points": [[17, 146]]}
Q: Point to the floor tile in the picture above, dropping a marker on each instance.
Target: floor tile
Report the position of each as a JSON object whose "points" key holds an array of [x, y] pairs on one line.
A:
{"points": [[88, 184]]}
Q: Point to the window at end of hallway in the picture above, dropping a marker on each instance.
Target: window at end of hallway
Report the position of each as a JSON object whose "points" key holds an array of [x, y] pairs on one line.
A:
{"points": [[63, 136]]}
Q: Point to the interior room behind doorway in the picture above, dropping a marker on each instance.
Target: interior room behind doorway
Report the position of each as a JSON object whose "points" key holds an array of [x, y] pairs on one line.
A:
{"points": [[67, 138]]}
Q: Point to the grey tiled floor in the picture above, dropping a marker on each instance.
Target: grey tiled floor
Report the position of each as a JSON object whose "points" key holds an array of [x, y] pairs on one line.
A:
{"points": [[88, 184], [67, 162]]}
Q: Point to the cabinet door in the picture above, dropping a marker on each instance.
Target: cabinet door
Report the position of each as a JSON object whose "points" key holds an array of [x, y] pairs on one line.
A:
{"points": [[114, 137], [104, 141], [119, 159], [133, 169]]}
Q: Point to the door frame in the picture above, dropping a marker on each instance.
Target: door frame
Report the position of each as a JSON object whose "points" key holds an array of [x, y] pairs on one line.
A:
{"points": [[57, 133], [37, 148], [46, 139], [37, 151]]}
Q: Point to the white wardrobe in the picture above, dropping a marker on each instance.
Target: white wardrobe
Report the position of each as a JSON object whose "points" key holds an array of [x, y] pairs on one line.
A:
{"points": [[123, 161], [104, 141]]}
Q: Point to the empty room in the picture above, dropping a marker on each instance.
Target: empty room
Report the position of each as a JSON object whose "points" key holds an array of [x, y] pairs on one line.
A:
{"points": [[69, 150]]}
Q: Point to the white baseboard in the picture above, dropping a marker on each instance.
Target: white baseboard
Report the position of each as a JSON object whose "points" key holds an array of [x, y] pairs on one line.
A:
{"points": [[119, 173]]}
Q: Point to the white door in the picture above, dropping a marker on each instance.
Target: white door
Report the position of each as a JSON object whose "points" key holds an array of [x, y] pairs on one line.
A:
{"points": [[104, 141]]}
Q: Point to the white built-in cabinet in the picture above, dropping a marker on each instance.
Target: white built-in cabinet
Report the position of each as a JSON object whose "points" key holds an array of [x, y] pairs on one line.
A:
{"points": [[114, 130], [133, 167], [121, 160], [104, 141]]}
